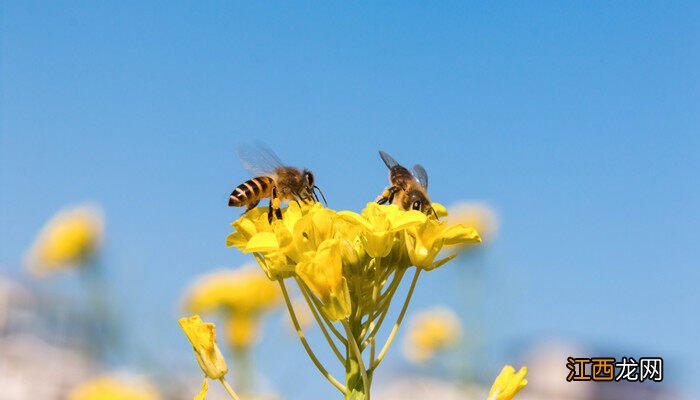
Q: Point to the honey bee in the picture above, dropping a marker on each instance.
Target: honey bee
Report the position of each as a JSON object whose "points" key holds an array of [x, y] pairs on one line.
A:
{"points": [[274, 180], [408, 189]]}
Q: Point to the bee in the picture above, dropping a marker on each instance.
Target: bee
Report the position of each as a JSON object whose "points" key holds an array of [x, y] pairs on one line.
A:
{"points": [[409, 190], [274, 180]]}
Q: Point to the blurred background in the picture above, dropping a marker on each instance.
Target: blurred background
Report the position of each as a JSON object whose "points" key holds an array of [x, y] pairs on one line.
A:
{"points": [[568, 130]]}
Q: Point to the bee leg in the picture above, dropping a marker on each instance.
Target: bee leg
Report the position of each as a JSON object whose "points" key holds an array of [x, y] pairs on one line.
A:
{"points": [[251, 206], [274, 206], [298, 196], [269, 213], [388, 195]]}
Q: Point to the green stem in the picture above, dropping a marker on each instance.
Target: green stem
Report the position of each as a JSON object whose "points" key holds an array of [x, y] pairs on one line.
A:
{"points": [[229, 389], [319, 307], [320, 323], [384, 311], [310, 352], [375, 363], [358, 357]]}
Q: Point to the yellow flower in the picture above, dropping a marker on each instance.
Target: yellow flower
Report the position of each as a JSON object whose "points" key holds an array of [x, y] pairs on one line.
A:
{"points": [[508, 383], [243, 296], [324, 276], [272, 244], [379, 224], [253, 222], [242, 330], [203, 338], [425, 241], [68, 240], [430, 332], [481, 216], [114, 388], [332, 252], [351, 265], [243, 290]]}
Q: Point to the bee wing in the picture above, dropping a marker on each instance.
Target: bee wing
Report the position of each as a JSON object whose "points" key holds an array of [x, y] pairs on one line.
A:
{"points": [[421, 175], [258, 159], [388, 160]]}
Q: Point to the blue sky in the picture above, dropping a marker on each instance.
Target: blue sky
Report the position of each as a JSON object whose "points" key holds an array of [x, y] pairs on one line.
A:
{"points": [[578, 122]]}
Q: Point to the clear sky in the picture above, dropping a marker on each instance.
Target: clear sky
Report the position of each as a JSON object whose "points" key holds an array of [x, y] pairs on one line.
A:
{"points": [[578, 121]]}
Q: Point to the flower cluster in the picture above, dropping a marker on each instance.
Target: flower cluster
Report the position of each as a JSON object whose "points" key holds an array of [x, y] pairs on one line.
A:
{"points": [[343, 257], [348, 267]]}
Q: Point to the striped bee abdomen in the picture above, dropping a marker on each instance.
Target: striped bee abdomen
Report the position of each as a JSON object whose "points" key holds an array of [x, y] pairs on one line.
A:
{"points": [[251, 191]]}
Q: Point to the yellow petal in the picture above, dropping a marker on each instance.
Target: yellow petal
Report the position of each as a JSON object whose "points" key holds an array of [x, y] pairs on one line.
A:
{"points": [[236, 239], [439, 209], [262, 242], [407, 219], [459, 233], [203, 393], [508, 383], [355, 218]]}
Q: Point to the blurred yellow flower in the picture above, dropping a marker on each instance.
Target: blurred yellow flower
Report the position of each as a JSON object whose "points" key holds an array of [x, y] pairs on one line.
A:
{"points": [[508, 383], [481, 216], [242, 330], [242, 296], [430, 332], [243, 290], [203, 338], [114, 388], [68, 240]]}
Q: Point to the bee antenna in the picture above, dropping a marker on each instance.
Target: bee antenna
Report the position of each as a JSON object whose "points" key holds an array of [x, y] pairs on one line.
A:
{"points": [[435, 213], [324, 197]]}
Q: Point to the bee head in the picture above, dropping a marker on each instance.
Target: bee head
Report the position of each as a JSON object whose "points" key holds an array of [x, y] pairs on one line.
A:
{"points": [[419, 201], [310, 187], [308, 179]]}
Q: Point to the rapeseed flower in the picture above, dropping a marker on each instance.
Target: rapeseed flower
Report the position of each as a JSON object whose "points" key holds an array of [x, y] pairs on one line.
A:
{"points": [[479, 215], [202, 336], [114, 387], [70, 239], [324, 275], [348, 266], [241, 296], [430, 332]]}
